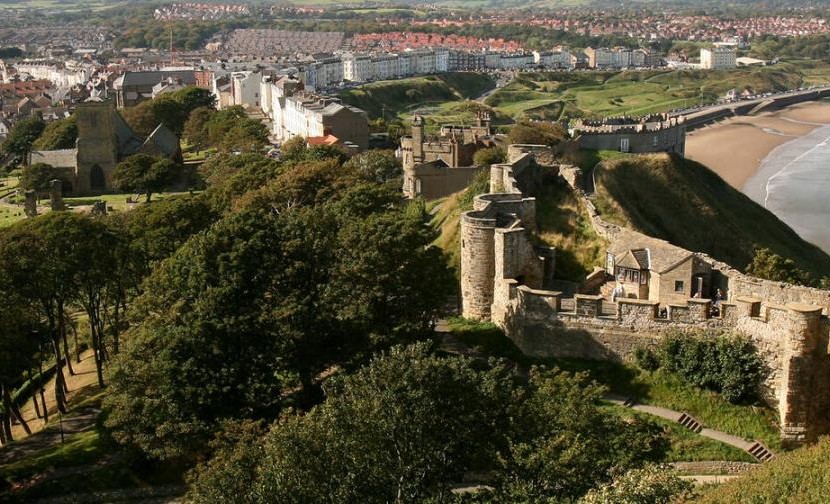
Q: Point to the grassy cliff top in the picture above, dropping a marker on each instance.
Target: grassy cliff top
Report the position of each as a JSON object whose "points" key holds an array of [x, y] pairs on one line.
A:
{"points": [[798, 476], [684, 202]]}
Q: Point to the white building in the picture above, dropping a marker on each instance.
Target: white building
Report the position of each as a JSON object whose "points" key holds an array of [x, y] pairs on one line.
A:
{"points": [[621, 57], [719, 57], [515, 61], [245, 88], [558, 58]]}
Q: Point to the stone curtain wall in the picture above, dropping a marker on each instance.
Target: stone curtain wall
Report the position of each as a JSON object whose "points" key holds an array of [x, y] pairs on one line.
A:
{"points": [[791, 340], [501, 272]]}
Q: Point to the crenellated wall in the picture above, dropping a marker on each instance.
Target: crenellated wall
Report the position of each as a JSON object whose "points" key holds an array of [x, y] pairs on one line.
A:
{"points": [[503, 275]]}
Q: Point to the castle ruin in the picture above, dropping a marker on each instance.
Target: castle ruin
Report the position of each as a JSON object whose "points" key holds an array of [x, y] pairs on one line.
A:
{"points": [[505, 279], [437, 166]]}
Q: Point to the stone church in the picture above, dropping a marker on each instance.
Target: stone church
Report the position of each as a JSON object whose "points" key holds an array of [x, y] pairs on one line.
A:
{"points": [[104, 139]]}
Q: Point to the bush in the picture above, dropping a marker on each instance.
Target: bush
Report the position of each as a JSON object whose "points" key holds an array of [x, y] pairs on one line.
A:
{"points": [[729, 366], [646, 359]]}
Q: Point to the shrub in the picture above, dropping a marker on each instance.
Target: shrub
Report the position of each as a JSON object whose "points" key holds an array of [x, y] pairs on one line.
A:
{"points": [[727, 365], [646, 359]]}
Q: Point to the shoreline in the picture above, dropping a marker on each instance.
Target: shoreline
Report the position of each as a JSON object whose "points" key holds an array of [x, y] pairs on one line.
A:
{"points": [[737, 147]]}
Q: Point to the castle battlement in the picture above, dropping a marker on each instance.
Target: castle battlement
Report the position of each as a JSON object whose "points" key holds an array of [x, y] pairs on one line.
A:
{"points": [[505, 279]]}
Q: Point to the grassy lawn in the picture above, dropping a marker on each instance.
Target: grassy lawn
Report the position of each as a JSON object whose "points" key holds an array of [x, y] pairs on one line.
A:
{"points": [[656, 388], [88, 462]]}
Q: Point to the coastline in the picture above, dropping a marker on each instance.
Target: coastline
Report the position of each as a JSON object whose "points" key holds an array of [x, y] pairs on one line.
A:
{"points": [[778, 160], [737, 147]]}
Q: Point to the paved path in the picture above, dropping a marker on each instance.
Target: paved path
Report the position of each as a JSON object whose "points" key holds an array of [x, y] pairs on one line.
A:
{"points": [[675, 416], [710, 479], [77, 421]]}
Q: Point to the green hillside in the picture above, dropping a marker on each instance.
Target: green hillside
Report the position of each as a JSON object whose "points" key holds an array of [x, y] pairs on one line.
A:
{"points": [[800, 476], [394, 97], [684, 202], [551, 95]]}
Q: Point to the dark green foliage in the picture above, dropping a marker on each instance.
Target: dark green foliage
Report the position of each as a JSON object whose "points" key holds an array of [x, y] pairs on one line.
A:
{"points": [[60, 134], [173, 110], [489, 156], [266, 299], [19, 140], [144, 174], [563, 444], [228, 130], [10, 52], [402, 429], [37, 177], [231, 474], [646, 359], [378, 166], [771, 266], [156, 231], [410, 424], [729, 366]]}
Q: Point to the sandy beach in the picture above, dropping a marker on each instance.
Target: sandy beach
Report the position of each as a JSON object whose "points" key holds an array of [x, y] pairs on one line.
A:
{"points": [[735, 148]]}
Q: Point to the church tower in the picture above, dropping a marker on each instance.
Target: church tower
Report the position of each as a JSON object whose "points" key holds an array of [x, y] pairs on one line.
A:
{"points": [[97, 145]]}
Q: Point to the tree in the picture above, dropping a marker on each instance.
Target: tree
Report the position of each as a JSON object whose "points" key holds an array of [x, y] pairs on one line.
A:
{"points": [[402, 429], [771, 266], [37, 177], [563, 443], [294, 148], [646, 485], [195, 129], [34, 260], [17, 351], [489, 156], [141, 118], [378, 166], [19, 140], [144, 174], [264, 300], [192, 98], [60, 134]]}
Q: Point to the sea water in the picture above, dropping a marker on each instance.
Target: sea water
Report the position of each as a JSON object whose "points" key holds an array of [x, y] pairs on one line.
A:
{"points": [[793, 182]]}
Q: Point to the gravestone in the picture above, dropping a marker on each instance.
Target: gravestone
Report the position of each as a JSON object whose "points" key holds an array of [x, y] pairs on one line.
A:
{"points": [[30, 203], [56, 196], [99, 208]]}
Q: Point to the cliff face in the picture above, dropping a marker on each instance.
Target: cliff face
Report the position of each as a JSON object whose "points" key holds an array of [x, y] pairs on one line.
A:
{"points": [[685, 203]]}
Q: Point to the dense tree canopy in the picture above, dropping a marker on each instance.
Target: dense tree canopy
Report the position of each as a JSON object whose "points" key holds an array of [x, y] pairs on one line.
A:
{"points": [[21, 137], [410, 424], [267, 298], [145, 174]]}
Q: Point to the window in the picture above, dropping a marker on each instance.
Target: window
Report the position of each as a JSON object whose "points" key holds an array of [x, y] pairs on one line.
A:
{"points": [[678, 286]]}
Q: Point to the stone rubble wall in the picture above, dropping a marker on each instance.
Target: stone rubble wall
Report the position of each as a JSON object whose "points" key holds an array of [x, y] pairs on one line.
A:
{"points": [[713, 467], [501, 274]]}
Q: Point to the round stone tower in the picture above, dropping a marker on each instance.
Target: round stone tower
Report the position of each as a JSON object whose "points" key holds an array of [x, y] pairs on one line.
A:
{"points": [[477, 265]]}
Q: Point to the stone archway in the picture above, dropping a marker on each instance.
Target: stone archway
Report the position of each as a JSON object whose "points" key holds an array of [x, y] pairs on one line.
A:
{"points": [[97, 181]]}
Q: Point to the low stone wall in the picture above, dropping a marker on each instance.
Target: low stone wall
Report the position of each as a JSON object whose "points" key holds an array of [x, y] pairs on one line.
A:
{"points": [[713, 467]]}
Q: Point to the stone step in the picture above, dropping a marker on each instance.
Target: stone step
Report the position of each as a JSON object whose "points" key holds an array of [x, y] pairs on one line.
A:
{"points": [[690, 423], [760, 452]]}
